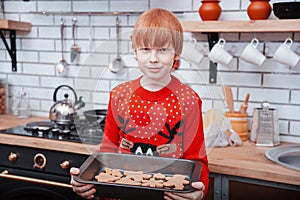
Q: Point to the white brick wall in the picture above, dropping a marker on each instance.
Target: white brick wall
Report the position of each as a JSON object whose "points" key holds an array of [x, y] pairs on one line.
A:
{"points": [[39, 51]]}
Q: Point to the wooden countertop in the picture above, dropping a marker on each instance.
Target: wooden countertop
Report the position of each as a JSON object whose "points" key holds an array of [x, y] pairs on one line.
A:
{"points": [[245, 161], [249, 161]]}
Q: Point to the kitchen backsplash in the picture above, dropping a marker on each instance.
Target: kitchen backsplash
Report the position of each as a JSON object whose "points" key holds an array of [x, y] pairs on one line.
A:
{"points": [[39, 51]]}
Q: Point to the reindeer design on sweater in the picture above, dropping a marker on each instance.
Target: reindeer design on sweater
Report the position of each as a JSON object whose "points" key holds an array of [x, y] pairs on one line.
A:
{"points": [[149, 149]]}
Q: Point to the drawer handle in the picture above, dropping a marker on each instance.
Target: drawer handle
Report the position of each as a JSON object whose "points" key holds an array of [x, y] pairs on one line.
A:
{"points": [[39, 161], [5, 174], [13, 157], [65, 165]]}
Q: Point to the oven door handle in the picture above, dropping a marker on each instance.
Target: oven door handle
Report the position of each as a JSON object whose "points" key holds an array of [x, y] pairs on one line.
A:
{"points": [[5, 174]]}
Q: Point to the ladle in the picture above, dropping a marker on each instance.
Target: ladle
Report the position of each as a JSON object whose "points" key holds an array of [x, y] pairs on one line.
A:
{"points": [[117, 63], [61, 66]]}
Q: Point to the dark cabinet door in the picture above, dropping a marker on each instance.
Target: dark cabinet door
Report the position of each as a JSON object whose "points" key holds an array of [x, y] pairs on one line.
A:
{"points": [[247, 191], [225, 187], [210, 191]]}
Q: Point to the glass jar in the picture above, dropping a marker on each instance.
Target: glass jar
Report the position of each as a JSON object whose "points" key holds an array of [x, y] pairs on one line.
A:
{"points": [[3, 96], [23, 104], [1, 10]]}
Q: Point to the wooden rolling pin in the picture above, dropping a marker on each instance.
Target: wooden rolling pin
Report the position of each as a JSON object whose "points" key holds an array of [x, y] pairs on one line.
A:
{"points": [[228, 97]]}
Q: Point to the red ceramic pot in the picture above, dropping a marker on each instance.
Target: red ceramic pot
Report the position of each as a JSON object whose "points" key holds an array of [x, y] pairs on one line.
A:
{"points": [[259, 9], [210, 10]]}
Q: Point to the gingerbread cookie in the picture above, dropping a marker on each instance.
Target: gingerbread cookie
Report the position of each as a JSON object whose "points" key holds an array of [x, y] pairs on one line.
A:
{"points": [[177, 182], [114, 172], [105, 177], [152, 182], [137, 175], [159, 176], [128, 181]]}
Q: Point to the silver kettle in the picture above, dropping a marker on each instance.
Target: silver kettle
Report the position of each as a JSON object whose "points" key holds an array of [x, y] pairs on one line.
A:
{"points": [[63, 112]]}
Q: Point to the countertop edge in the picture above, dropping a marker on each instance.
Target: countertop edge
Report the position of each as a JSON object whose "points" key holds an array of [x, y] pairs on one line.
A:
{"points": [[49, 144]]}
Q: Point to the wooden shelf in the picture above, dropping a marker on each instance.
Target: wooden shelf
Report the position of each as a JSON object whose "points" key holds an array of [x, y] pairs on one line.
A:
{"points": [[14, 25], [287, 25]]}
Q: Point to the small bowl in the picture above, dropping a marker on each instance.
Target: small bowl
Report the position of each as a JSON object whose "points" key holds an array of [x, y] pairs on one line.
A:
{"points": [[94, 115], [287, 10]]}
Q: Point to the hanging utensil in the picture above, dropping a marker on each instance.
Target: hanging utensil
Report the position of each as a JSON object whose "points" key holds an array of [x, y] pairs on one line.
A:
{"points": [[91, 34], [61, 66], [117, 63], [75, 49]]}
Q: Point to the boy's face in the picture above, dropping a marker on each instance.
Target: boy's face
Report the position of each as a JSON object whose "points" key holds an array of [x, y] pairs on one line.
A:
{"points": [[156, 63]]}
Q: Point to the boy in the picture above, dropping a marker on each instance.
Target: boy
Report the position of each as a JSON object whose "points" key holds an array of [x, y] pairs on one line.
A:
{"points": [[156, 114]]}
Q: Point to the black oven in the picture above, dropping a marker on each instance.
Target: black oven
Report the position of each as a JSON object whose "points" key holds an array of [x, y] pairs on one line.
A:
{"points": [[36, 174]]}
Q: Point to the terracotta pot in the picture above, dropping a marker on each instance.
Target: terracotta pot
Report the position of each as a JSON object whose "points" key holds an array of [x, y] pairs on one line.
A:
{"points": [[210, 10], [259, 9]]}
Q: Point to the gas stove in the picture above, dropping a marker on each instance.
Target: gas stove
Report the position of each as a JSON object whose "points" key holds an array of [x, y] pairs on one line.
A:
{"points": [[82, 131], [30, 172]]}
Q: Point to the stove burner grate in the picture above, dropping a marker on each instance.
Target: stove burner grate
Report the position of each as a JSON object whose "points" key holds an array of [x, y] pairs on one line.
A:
{"points": [[84, 132]]}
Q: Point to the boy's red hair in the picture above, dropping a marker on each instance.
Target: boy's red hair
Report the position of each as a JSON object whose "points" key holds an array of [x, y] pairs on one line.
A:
{"points": [[157, 27]]}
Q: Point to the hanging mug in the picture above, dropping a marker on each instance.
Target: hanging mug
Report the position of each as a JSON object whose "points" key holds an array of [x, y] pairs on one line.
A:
{"points": [[285, 55], [252, 55], [218, 54], [191, 52]]}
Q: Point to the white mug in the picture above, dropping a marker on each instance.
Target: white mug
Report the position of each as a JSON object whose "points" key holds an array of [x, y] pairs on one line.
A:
{"points": [[191, 52], [285, 55], [252, 55], [218, 54]]}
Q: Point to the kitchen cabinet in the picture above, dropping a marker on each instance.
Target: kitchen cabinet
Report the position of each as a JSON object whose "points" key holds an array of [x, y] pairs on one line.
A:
{"points": [[245, 173], [224, 187], [12, 26], [212, 28]]}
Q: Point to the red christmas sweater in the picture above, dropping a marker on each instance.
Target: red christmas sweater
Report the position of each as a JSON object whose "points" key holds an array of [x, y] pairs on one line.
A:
{"points": [[164, 123]]}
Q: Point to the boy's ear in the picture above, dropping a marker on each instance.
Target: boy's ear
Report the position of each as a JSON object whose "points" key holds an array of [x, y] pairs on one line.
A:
{"points": [[176, 57], [176, 64]]}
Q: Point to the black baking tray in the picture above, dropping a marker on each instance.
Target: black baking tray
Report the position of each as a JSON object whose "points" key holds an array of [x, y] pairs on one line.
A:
{"points": [[97, 162]]}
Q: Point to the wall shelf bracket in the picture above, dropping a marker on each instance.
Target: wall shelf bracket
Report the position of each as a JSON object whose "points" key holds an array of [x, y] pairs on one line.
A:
{"points": [[12, 50], [213, 38]]}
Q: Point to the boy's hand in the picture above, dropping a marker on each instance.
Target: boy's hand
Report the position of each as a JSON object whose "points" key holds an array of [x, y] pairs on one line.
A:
{"points": [[84, 190], [196, 195]]}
